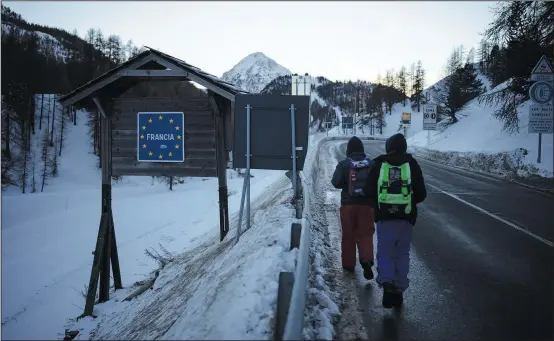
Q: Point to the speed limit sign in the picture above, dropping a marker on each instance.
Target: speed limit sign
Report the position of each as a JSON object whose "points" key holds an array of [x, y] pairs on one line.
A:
{"points": [[430, 117]]}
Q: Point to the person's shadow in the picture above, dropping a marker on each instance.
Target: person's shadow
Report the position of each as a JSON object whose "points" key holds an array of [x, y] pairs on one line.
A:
{"points": [[390, 327], [391, 320]]}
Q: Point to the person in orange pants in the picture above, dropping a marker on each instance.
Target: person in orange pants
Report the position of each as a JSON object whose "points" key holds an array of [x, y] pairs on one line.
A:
{"points": [[356, 211]]}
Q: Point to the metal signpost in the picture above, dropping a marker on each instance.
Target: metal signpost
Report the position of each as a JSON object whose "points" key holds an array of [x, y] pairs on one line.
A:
{"points": [[406, 121], [301, 85], [429, 120], [328, 126], [541, 92], [262, 137], [347, 123], [160, 137]]}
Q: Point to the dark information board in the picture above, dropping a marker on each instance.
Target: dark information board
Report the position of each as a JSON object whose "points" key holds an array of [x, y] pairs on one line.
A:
{"points": [[347, 122], [270, 131]]}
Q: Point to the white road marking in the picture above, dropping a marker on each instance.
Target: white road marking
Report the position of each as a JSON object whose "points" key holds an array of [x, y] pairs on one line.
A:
{"points": [[539, 238]]}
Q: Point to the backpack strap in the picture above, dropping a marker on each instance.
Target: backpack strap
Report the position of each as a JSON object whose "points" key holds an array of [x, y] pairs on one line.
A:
{"points": [[383, 182], [406, 177]]}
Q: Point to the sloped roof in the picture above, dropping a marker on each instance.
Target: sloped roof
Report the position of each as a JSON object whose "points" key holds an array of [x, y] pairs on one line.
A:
{"points": [[193, 69], [193, 73]]}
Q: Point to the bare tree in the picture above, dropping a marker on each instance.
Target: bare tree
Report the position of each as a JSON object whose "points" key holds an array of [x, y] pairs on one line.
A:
{"points": [[44, 158], [402, 83], [24, 174], [62, 130], [53, 120], [41, 110], [412, 75]]}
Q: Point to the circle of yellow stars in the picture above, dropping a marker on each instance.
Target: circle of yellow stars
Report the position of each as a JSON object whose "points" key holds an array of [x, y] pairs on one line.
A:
{"points": [[144, 146]]}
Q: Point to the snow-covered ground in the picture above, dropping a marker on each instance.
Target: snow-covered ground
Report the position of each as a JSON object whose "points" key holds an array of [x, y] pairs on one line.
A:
{"points": [[48, 239], [479, 132], [210, 289], [476, 141]]}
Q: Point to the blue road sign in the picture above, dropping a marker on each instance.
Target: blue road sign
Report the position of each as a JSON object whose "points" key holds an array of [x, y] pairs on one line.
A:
{"points": [[160, 137]]}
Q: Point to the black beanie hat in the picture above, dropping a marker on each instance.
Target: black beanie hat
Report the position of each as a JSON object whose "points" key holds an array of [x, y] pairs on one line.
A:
{"points": [[396, 144], [355, 145]]}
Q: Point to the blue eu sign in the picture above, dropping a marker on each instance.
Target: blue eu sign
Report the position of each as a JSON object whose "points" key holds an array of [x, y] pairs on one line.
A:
{"points": [[160, 137]]}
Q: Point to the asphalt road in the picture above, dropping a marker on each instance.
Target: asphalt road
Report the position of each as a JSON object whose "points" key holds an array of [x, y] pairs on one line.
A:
{"points": [[482, 264]]}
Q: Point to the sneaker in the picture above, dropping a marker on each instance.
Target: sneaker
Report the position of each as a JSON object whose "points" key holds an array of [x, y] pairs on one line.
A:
{"points": [[388, 295], [366, 265]]}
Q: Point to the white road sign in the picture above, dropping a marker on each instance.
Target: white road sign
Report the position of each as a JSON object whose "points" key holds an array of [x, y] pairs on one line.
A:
{"points": [[543, 71], [430, 117], [537, 77], [541, 92], [540, 119], [543, 66]]}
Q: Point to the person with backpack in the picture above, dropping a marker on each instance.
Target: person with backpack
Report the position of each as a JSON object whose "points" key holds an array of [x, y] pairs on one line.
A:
{"points": [[396, 184], [356, 212]]}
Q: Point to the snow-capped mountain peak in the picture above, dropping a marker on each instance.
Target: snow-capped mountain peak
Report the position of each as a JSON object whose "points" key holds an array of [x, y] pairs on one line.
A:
{"points": [[254, 72]]}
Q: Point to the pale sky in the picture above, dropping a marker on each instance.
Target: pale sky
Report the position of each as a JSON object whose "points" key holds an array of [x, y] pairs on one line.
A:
{"points": [[338, 40]]}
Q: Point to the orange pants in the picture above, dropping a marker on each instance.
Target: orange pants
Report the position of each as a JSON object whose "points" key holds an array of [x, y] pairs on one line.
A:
{"points": [[358, 227]]}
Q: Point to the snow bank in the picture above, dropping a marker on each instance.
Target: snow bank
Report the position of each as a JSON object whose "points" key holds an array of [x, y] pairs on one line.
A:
{"points": [[215, 290], [477, 139], [509, 164], [322, 308], [51, 236]]}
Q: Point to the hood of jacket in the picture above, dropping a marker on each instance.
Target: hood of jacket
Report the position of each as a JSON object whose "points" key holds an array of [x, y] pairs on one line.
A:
{"points": [[354, 145], [396, 144]]}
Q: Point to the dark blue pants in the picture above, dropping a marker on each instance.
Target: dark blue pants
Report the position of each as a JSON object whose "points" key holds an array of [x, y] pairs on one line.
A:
{"points": [[394, 238]]}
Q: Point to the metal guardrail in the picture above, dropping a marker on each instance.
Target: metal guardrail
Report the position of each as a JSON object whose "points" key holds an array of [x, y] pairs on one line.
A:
{"points": [[291, 292], [297, 302]]}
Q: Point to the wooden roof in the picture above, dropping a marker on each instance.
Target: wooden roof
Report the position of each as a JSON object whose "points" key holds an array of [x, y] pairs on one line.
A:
{"points": [[150, 64]]}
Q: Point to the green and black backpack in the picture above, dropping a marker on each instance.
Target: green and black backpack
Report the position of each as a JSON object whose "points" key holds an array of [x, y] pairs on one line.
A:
{"points": [[394, 190]]}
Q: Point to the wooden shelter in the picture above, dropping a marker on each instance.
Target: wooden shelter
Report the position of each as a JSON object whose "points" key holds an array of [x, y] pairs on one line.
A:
{"points": [[207, 135]]}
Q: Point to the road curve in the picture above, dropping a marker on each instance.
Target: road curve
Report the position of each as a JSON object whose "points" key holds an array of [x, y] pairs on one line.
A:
{"points": [[481, 262]]}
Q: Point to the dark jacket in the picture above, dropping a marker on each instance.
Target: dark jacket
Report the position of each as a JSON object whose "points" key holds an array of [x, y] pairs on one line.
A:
{"points": [[396, 155], [354, 151]]}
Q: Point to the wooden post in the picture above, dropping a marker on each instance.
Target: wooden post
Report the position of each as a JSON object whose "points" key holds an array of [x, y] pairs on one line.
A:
{"points": [[115, 259], [223, 163], [105, 146], [106, 246], [113, 254], [96, 264], [221, 166]]}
